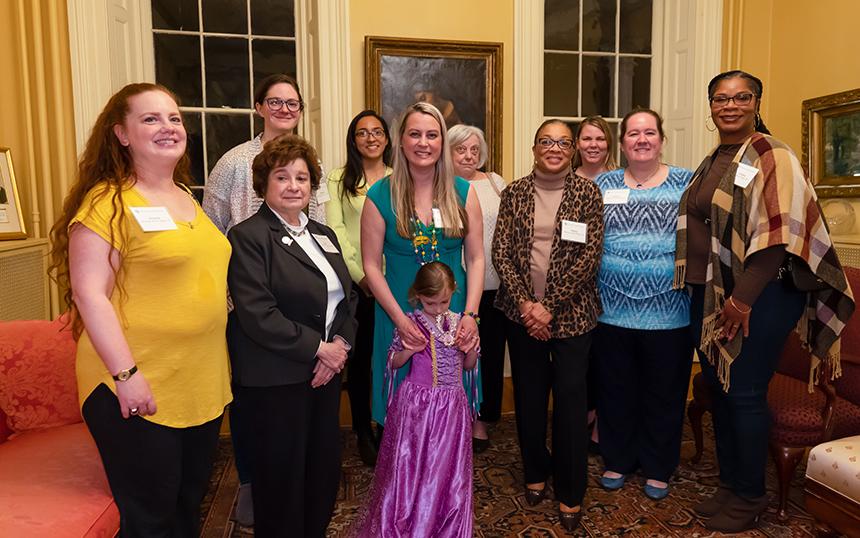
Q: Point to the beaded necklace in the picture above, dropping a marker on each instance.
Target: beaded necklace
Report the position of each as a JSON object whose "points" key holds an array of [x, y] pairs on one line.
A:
{"points": [[420, 240]]}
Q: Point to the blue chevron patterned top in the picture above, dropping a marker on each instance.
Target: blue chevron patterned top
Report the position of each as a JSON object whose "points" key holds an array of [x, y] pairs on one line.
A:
{"points": [[635, 278]]}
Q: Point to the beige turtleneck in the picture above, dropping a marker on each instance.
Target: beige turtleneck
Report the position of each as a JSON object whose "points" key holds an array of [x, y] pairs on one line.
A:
{"points": [[549, 189]]}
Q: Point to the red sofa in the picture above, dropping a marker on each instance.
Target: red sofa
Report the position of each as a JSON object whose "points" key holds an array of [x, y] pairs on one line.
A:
{"points": [[52, 483]]}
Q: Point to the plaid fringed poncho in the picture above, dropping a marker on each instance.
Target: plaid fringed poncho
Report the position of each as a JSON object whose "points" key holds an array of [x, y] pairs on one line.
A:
{"points": [[778, 207]]}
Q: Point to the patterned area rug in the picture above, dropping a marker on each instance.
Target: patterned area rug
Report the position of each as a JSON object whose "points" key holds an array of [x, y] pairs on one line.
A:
{"points": [[500, 508]]}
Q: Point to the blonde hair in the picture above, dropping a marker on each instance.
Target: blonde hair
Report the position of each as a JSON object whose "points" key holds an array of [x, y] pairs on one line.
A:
{"points": [[444, 195], [611, 142]]}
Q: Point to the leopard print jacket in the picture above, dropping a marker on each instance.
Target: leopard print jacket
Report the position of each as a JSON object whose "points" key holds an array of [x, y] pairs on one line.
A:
{"points": [[571, 285]]}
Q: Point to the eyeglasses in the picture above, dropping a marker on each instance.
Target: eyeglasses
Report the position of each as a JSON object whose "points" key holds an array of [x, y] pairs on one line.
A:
{"points": [[474, 151], [739, 99], [276, 103], [375, 133], [547, 143]]}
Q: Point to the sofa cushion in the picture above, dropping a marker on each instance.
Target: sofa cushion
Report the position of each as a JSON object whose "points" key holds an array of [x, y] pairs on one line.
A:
{"points": [[846, 417], [836, 465], [54, 486], [37, 375], [796, 413]]}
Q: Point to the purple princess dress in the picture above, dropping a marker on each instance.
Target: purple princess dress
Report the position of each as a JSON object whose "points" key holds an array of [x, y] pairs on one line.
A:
{"points": [[423, 481]]}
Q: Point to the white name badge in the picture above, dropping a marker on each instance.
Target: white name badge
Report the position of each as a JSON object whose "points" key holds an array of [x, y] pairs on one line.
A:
{"points": [[616, 196], [153, 219], [323, 195], [437, 218], [573, 231], [325, 243], [745, 175]]}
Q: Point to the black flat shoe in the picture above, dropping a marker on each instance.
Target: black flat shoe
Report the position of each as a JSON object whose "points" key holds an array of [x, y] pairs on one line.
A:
{"points": [[480, 445], [535, 496], [569, 520], [367, 450]]}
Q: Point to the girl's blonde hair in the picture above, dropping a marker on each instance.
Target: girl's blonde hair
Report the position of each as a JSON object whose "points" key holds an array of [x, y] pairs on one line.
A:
{"points": [[444, 195], [432, 279]]}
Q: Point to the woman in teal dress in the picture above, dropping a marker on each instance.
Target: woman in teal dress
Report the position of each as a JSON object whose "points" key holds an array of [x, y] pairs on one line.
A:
{"points": [[420, 213]]}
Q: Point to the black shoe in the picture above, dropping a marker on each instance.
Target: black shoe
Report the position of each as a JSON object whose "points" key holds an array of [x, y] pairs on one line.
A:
{"points": [[738, 515], [535, 496], [367, 449], [569, 520], [480, 445], [713, 504]]}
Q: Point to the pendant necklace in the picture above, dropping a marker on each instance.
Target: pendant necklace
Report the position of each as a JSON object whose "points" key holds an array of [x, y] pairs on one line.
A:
{"points": [[641, 183]]}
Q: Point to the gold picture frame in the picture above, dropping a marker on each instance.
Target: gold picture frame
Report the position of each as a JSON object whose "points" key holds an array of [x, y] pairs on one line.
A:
{"points": [[831, 143], [11, 218], [462, 78]]}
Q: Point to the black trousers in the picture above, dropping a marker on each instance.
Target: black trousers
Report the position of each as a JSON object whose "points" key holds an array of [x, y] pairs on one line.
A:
{"points": [[358, 366], [741, 415], [158, 475], [492, 333], [296, 453], [643, 378], [559, 365]]}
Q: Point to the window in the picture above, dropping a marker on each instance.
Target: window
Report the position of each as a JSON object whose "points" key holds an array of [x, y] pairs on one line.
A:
{"points": [[212, 53], [597, 58]]}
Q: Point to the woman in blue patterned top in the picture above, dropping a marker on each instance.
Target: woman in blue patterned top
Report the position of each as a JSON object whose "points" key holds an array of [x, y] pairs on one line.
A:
{"points": [[642, 348]]}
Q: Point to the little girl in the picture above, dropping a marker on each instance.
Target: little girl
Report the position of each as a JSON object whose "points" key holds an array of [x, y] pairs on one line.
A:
{"points": [[423, 481]]}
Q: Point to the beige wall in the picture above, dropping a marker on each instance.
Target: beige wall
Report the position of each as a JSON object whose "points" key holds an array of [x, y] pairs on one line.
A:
{"points": [[463, 20]]}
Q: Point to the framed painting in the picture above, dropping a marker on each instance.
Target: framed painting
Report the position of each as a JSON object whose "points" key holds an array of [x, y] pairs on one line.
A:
{"points": [[11, 219], [463, 79], [831, 143]]}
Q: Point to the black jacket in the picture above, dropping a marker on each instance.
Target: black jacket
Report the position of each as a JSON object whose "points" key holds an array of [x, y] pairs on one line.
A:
{"points": [[280, 298]]}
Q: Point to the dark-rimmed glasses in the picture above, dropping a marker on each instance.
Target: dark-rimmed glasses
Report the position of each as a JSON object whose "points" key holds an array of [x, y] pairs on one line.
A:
{"points": [[375, 133], [276, 103], [547, 143], [739, 99]]}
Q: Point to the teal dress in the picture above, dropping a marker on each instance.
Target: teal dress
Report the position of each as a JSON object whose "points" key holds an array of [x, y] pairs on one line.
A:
{"points": [[401, 265]]}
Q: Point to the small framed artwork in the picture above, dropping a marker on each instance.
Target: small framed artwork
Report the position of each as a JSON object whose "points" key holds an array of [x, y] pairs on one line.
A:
{"points": [[11, 219], [463, 79], [831, 143]]}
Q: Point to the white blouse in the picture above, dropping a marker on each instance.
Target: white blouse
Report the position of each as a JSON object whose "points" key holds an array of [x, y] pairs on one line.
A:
{"points": [[489, 200]]}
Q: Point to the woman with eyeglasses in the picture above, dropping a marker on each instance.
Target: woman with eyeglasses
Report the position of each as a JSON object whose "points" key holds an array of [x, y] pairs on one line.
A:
{"points": [[228, 199], [368, 156], [547, 248], [642, 348], [748, 210]]}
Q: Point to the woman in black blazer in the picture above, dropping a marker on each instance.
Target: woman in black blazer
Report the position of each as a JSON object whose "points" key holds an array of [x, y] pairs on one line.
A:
{"points": [[289, 334]]}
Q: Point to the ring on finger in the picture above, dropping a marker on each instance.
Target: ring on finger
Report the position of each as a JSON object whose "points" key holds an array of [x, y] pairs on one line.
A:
{"points": [[134, 411]]}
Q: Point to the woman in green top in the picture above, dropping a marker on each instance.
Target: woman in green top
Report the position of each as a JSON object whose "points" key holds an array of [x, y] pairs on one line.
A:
{"points": [[420, 213], [368, 154]]}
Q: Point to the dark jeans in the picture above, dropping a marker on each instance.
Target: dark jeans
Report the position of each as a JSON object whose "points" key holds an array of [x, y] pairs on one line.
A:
{"points": [[241, 437], [492, 333], [559, 365], [158, 475], [643, 376], [358, 365], [741, 415], [296, 455]]}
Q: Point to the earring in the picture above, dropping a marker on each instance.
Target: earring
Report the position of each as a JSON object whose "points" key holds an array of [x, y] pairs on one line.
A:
{"points": [[757, 120], [712, 127]]}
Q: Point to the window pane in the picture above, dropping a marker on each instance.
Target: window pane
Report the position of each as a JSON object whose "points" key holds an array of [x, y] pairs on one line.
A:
{"points": [[224, 131], [635, 26], [226, 72], [225, 16], [195, 145], [177, 66], [560, 83], [634, 84], [561, 25], [175, 15], [273, 17], [598, 72], [598, 25], [273, 56]]}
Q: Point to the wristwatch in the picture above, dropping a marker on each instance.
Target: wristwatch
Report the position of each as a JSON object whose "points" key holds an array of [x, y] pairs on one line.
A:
{"points": [[123, 375]]}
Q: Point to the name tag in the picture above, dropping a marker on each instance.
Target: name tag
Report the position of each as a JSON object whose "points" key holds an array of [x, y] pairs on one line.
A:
{"points": [[323, 195], [153, 219], [745, 175], [573, 231], [437, 218], [616, 196], [326, 244]]}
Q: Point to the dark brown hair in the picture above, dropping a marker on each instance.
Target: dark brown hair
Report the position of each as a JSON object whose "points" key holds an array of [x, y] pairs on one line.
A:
{"points": [[104, 162], [279, 152], [353, 171], [278, 78], [432, 279], [548, 122], [642, 110]]}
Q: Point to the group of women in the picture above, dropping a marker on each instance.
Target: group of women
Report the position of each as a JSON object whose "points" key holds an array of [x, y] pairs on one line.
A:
{"points": [[579, 266]]}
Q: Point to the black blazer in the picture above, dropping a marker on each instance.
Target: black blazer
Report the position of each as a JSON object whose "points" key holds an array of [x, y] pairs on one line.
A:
{"points": [[280, 298]]}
